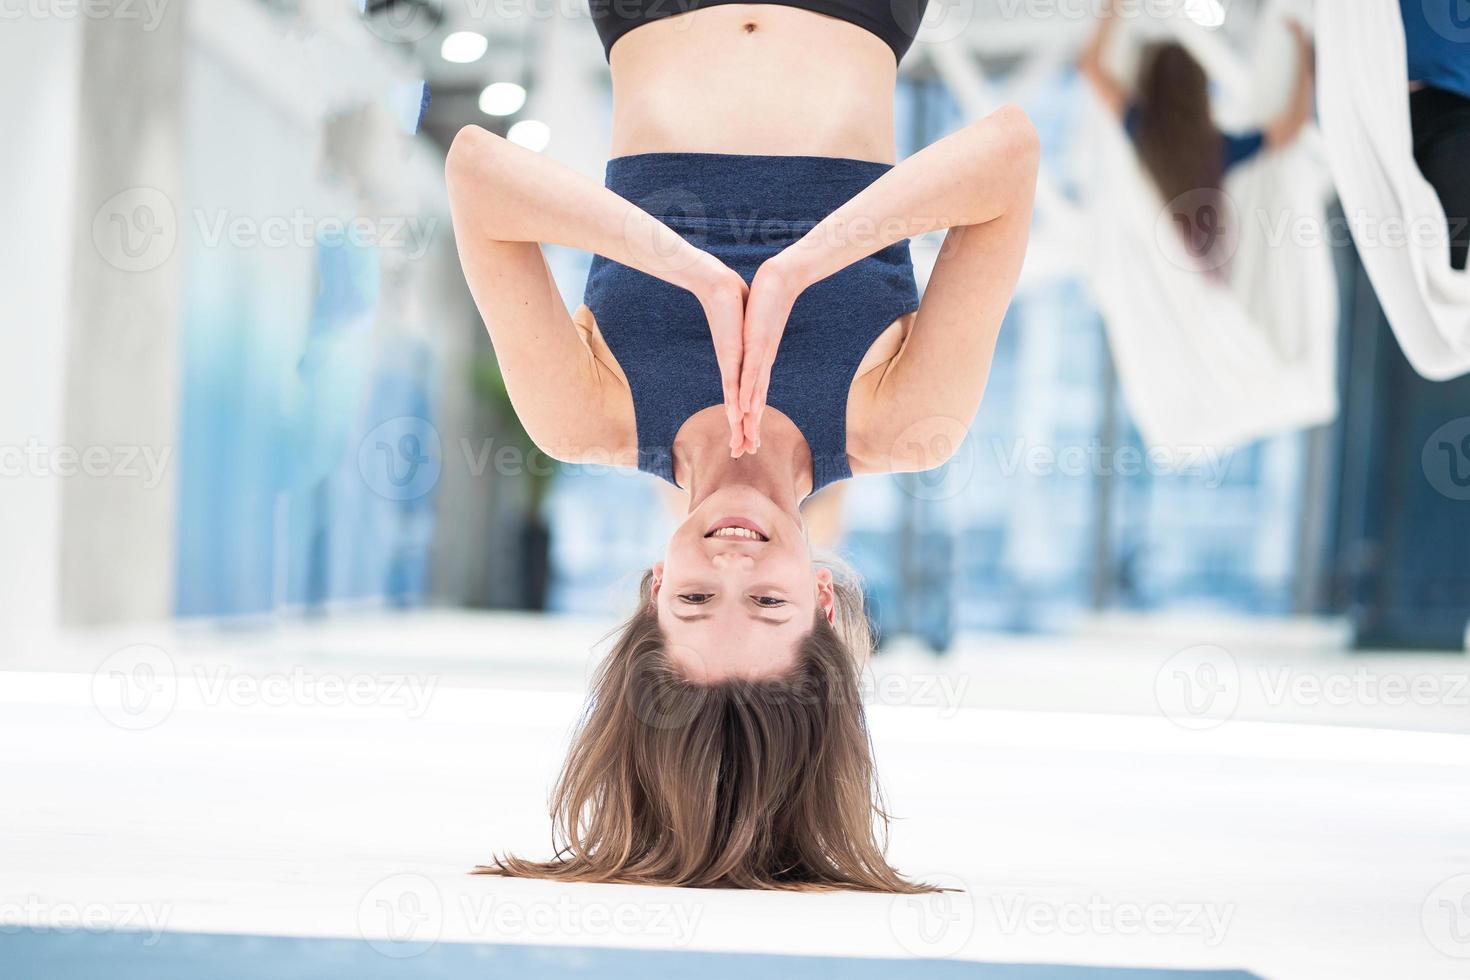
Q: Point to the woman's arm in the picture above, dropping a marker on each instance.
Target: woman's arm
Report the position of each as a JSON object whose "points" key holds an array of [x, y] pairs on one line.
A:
{"points": [[979, 182], [1089, 63], [1288, 126], [505, 200]]}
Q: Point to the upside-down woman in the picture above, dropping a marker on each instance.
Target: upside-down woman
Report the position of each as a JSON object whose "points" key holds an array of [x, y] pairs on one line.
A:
{"points": [[750, 332], [1167, 115]]}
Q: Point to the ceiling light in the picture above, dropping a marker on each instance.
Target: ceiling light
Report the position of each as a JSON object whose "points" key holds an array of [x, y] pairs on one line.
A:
{"points": [[1208, 14], [530, 133], [502, 99], [463, 47]]}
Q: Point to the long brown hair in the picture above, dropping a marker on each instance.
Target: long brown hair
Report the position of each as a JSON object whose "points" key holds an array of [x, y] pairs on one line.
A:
{"points": [[741, 784], [1180, 146]]}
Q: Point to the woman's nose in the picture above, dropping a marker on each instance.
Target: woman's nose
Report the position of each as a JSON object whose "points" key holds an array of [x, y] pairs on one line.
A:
{"points": [[733, 560]]}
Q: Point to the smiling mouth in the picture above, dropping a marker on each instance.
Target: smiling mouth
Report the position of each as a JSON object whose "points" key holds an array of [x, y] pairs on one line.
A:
{"points": [[737, 529]]}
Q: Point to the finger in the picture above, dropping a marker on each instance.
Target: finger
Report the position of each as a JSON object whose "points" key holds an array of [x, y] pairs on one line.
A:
{"points": [[729, 362], [754, 368], [750, 367], [732, 416], [760, 402]]}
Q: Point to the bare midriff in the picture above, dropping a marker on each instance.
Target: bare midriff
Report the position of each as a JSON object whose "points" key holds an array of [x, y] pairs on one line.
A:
{"points": [[754, 79]]}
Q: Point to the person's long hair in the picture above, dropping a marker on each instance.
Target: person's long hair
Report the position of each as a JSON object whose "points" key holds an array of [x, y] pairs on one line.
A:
{"points": [[764, 784], [1180, 147]]}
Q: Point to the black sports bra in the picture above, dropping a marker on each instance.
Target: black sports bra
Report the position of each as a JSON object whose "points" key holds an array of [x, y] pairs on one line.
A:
{"points": [[895, 22]]}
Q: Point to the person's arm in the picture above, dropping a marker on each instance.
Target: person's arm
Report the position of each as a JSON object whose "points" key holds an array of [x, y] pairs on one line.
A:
{"points": [[502, 195], [1288, 126], [978, 181], [1089, 63]]}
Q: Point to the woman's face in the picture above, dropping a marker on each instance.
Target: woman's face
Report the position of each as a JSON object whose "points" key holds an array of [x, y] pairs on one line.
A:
{"points": [[737, 590]]}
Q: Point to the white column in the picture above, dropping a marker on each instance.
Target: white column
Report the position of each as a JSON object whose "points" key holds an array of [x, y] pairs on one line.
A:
{"points": [[40, 69], [122, 378]]}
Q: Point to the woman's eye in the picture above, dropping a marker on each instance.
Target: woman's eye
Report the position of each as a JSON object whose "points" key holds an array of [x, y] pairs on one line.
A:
{"points": [[694, 598], [769, 601]]}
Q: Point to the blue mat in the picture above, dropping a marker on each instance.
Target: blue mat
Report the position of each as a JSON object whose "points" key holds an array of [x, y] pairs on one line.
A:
{"points": [[67, 955]]}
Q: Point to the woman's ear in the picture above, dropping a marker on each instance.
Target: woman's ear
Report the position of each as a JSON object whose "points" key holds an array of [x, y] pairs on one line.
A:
{"points": [[658, 581], [826, 595]]}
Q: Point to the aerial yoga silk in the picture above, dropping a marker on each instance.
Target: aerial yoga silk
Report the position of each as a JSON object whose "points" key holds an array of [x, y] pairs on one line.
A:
{"points": [[1226, 356], [1396, 217]]}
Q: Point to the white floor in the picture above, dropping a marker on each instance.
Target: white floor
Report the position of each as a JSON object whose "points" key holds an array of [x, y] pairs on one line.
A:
{"points": [[339, 780]]}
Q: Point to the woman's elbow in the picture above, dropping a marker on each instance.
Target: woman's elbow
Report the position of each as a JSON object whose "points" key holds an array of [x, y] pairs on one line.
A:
{"points": [[1016, 150], [465, 161], [1020, 142]]}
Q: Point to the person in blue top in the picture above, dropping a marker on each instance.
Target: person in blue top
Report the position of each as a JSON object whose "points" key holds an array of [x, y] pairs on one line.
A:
{"points": [[1437, 35], [1167, 116], [750, 331]]}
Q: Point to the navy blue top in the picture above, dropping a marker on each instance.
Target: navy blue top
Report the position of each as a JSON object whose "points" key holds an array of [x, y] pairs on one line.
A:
{"points": [[1239, 147], [744, 209], [1438, 36]]}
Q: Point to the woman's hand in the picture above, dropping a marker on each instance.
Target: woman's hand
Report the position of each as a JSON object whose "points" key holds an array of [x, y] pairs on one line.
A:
{"points": [[773, 292], [1284, 129], [722, 293]]}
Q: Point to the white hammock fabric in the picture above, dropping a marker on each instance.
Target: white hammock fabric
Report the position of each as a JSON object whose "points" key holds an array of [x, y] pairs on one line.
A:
{"points": [[1201, 361], [1397, 220]]}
